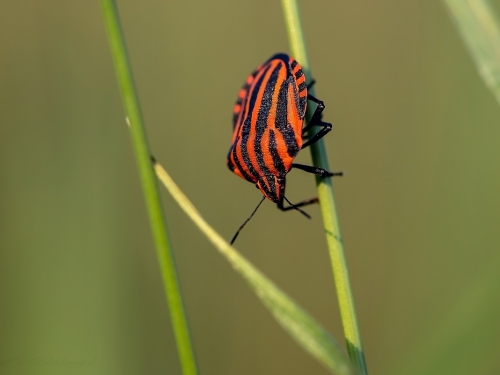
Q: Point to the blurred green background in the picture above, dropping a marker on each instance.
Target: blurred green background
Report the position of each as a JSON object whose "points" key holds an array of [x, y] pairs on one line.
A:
{"points": [[416, 133]]}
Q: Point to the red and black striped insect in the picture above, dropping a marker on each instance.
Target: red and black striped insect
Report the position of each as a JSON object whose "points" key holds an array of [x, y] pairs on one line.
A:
{"points": [[268, 130]]}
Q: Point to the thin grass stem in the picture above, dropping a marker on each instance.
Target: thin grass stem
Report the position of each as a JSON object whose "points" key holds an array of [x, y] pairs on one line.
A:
{"points": [[327, 203], [149, 185]]}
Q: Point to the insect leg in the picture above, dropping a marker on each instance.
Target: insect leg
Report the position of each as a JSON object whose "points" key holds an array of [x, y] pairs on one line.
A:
{"points": [[316, 170], [311, 84], [327, 127], [296, 205], [313, 98], [316, 117]]}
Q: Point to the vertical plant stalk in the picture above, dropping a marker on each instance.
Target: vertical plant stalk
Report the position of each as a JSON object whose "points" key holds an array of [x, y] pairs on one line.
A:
{"points": [[480, 30], [327, 203], [149, 185]]}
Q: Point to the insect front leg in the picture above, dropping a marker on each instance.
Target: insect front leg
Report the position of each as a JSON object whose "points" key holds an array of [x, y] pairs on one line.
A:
{"points": [[293, 206]]}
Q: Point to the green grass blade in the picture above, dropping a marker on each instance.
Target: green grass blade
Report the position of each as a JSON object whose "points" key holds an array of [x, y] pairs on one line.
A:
{"points": [[149, 185], [327, 203], [480, 30], [298, 323]]}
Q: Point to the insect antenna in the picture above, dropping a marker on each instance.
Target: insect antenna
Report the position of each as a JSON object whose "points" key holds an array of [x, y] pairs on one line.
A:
{"points": [[297, 208], [247, 220]]}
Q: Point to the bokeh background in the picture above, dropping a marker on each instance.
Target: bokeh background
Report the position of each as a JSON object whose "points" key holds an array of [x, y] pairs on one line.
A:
{"points": [[415, 131]]}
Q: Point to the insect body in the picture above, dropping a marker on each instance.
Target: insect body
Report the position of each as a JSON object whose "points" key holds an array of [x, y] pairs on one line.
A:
{"points": [[268, 130]]}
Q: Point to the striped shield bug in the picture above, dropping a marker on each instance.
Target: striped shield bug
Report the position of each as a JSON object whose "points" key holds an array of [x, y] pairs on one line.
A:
{"points": [[268, 131]]}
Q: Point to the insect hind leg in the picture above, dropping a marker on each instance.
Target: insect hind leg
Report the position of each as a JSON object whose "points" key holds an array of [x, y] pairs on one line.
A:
{"points": [[316, 120], [316, 117], [327, 127]]}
